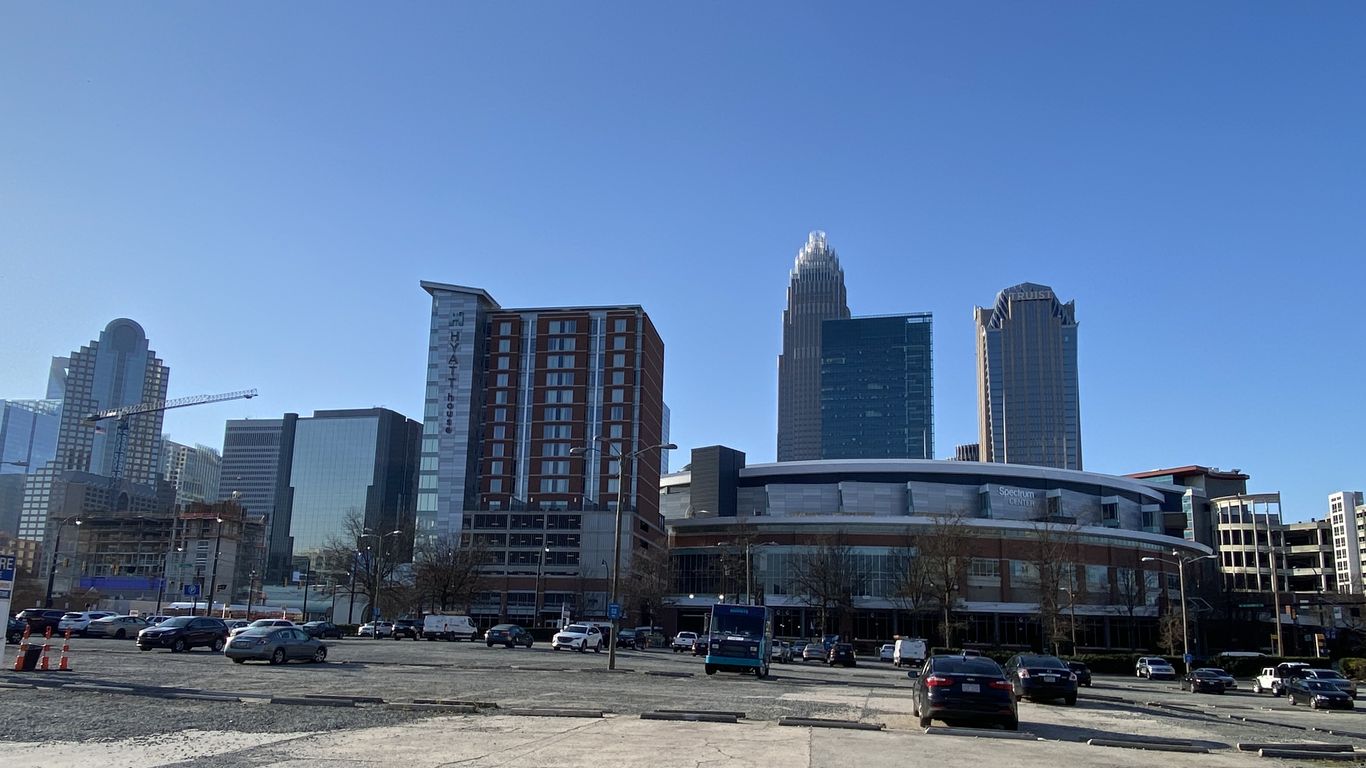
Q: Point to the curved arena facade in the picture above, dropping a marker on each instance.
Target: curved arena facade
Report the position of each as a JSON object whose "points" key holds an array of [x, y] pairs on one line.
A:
{"points": [[1041, 552]]}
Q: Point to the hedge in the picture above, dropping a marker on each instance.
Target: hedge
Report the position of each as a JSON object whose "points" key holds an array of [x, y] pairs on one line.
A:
{"points": [[1354, 668]]}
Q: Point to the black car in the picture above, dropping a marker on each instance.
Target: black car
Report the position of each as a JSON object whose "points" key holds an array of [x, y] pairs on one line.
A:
{"points": [[322, 629], [699, 646], [841, 653], [1202, 681], [408, 628], [39, 620], [181, 633], [957, 689], [1039, 677], [1318, 694], [508, 635], [14, 629], [626, 638], [1082, 672]]}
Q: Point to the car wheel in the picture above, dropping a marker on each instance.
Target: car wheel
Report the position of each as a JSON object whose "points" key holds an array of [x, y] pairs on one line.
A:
{"points": [[1256, 687], [320, 655], [179, 646], [120, 635], [278, 657], [597, 648], [239, 661], [489, 643], [1291, 700], [144, 647], [925, 721], [710, 669], [217, 645], [1070, 700], [528, 643], [1013, 724]]}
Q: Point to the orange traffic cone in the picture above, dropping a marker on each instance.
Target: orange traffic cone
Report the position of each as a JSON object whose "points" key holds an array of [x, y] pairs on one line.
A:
{"points": [[42, 661], [23, 651], [63, 665]]}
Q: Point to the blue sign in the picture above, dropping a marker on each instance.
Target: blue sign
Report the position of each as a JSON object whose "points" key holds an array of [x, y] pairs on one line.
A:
{"points": [[191, 590], [1189, 658], [7, 567], [614, 611], [375, 612]]}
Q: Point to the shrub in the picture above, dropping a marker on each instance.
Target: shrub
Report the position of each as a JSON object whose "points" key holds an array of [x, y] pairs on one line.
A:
{"points": [[1354, 668]]}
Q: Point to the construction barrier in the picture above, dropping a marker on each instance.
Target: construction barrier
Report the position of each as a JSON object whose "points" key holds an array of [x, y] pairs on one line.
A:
{"points": [[23, 651], [64, 665], [47, 641]]}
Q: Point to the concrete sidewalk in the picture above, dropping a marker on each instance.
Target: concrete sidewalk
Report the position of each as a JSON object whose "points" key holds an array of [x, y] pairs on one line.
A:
{"points": [[532, 742]]}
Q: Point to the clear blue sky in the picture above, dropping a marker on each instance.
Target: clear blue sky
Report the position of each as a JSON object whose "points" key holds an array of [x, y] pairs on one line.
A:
{"points": [[262, 186]]}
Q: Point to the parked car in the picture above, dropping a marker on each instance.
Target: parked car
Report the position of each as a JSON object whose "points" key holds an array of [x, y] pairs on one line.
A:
{"points": [[813, 652], [442, 627], [699, 646], [1082, 672], [1036, 677], [1229, 683], [1154, 668], [1202, 681], [1318, 694], [117, 627], [910, 652], [406, 628], [322, 630], [236, 625], [1272, 679], [1345, 685], [578, 637], [275, 645], [841, 653], [183, 633], [39, 620], [780, 651], [626, 638], [797, 647], [78, 621], [886, 652], [683, 641], [234, 631], [964, 688], [376, 629], [508, 635], [14, 629], [155, 620]]}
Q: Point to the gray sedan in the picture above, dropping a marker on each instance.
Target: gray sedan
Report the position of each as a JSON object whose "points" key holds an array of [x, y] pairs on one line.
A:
{"points": [[276, 645]]}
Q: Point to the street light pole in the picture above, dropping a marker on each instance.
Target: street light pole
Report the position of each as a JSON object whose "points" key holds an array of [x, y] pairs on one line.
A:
{"points": [[166, 565], [213, 572], [540, 571], [379, 562], [1180, 564], [56, 550], [616, 538]]}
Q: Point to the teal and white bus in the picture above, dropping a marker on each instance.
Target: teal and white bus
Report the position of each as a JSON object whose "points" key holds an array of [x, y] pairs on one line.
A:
{"points": [[739, 639]]}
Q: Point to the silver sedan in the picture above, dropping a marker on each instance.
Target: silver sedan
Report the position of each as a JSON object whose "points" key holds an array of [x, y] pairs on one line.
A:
{"points": [[275, 645]]}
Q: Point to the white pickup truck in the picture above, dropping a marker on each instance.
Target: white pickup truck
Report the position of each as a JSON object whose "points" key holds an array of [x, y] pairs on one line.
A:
{"points": [[683, 642], [1272, 679]]}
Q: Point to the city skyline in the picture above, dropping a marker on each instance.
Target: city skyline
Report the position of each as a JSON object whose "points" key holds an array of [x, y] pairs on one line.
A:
{"points": [[1195, 206]]}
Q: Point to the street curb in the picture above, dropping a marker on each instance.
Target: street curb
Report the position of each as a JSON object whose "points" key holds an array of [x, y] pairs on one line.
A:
{"points": [[1135, 739], [733, 713], [301, 701], [204, 697], [95, 687], [935, 730], [1257, 747], [17, 685], [1147, 745], [689, 717], [671, 674], [352, 699], [537, 712], [818, 723], [454, 709], [1309, 755], [458, 702]]}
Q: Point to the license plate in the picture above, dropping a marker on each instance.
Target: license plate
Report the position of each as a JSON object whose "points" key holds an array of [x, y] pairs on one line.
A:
{"points": [[1050, 678], [972, 688]]}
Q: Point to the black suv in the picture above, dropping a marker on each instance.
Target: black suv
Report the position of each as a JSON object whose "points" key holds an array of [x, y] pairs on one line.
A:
{"points": [[182, 633], [507, 634], [14, 630], [408, 628], [322, 630], [41, 619]]}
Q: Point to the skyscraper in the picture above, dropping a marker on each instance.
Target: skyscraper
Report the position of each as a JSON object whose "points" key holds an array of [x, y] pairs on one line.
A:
{"points": [[511, 395], [877, 388], [1028, 405], [257, 456], [815, 293], [1347, 516], [116, 370], [193, 470]]}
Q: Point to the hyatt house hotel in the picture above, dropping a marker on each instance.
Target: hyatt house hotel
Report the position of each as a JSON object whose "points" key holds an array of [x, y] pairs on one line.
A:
{"points": [[510, 394]]}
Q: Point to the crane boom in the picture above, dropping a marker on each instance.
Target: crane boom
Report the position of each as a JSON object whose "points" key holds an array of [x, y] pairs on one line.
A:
{"points": [[166, 405]]}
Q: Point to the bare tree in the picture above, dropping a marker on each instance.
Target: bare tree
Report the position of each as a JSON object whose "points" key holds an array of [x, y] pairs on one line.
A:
{"points": [[368, 561], [1053, 553], [910, 583], [450, 574], [646, 584], [827, 577], [944, 553], [1129, 589], [1169, 632]]}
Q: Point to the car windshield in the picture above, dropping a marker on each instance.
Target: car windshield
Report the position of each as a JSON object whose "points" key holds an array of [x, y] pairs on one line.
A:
{"points": [[178, 621], [1315, 685], [71, 615], [1207, 673], [500, 628], [577, 628], [1212, 671], [1042, 662], [1076, 666], [971, 665], [260, 631], [737, 621], [1327, 674]]}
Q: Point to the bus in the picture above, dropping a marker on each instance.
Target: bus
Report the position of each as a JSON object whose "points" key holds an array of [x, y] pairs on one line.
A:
{"points": [[739, 639]]}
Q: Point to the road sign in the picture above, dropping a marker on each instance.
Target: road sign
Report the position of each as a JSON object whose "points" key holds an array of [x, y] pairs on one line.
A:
{"points": [[7, 567], [191, 590], [614, 611], [1251, 605], [1189, 658]]}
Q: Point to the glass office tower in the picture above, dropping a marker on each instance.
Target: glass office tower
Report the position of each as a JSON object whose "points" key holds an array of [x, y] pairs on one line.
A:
{"points": [[877, 387], [815, 294]]}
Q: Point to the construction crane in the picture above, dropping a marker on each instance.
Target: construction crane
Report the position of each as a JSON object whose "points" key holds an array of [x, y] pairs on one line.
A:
{"points": [[122, 414]]}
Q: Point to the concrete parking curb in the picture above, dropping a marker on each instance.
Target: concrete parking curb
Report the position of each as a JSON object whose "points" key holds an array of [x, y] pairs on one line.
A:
{"points": [[1336, 732], [982, 733], [670, 674], [301, 701], [689, 717], [17, 685], [539, 712], [1153, 746], [459, 702], [353, 699], [1257, 747], [454, 709], [204, 697], [733, 713], [1308, 755], [1152, 740], [811, 722], [96, 687]]}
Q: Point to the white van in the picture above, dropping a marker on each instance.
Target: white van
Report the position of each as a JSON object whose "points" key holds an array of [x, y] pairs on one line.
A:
{"points": [[909, 651], [440, 627]]}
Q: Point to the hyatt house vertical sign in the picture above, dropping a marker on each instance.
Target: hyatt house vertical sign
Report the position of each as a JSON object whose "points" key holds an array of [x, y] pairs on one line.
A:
{"points": [[451, 363]]}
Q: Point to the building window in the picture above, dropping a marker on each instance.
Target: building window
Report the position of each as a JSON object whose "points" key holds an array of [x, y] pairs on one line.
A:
{"points": [[504, 345], [559, 395], [554, 449], [500, 414], [618, 342], [495, 467], [554, 485], [557, 432], [496, 485], [554, 467], [505, 328], [562, 326], [501, 380], [619, 325], [560, 344], [618, 377], [500, 397], [618, 360], [617, 413], [614, 431], [504, 362], [559, 379], [559, 414], [618, 395], [500, 432]]}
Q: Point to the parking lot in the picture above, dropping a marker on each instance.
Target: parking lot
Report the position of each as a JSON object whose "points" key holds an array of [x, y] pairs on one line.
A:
{"points": [[136, 701]]}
